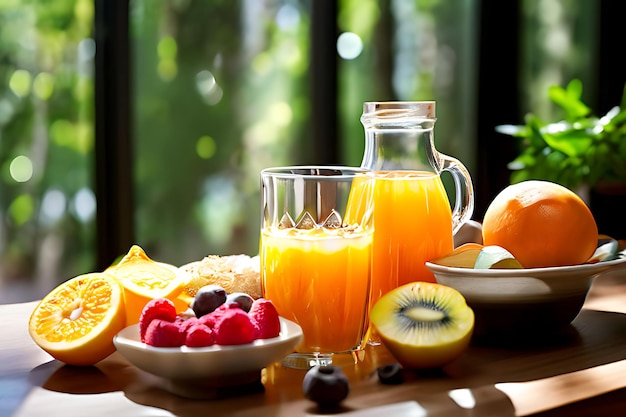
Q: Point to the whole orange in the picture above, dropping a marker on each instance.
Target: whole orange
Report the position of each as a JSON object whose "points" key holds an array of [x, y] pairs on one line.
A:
{"points": [[542, 224]]}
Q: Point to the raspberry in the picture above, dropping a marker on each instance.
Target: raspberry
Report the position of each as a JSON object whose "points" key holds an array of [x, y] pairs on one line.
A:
{"points": [[213, 317], [234, 327], [158, 308], [264, 315], [199, 335], [162, 333], [186, 324]]}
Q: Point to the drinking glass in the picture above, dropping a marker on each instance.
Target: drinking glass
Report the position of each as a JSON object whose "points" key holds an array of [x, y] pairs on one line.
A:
{"points": [[316, 245]]}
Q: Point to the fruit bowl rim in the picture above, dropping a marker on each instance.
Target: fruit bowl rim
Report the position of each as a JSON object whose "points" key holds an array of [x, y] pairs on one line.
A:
{"points": [[589, 269]]}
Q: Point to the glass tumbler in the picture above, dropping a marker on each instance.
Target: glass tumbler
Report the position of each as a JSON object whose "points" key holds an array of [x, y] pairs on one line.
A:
{"points": [[316, 246]]}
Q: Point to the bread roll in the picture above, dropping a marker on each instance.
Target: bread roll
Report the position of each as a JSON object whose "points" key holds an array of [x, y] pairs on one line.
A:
{"points": [[234, 273]]}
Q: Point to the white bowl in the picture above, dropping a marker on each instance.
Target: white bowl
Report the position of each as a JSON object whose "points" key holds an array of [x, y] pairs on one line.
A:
{"points": [[522, 301], [191, 370]]}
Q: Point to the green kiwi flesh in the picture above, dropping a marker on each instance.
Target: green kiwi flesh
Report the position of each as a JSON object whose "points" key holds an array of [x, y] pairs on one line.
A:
{"points": [[423, 324]]}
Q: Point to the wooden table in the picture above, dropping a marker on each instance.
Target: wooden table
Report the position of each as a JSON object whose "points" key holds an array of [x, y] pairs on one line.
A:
{"points": [[582, 374]]}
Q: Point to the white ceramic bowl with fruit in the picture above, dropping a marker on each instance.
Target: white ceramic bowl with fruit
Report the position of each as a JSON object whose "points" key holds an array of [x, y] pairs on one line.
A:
{"points": [[224, 364], [531, 273], [220, 342], [519, 302]]}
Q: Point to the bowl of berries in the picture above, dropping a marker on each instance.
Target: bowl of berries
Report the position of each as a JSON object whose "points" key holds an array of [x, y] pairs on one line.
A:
{"points": [[222, 340]]}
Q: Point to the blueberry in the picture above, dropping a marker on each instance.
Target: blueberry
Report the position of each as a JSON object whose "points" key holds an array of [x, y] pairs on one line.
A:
{"points": [[207, 299], [326, 385], [390, 374], [242, 299]]}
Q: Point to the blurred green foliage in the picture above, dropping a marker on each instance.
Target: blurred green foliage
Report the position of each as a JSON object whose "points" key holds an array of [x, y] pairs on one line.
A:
{"points": [[222, 90], [46, 122]]}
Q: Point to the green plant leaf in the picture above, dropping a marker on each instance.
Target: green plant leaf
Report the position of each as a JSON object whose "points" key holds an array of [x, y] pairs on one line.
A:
{"points": [[570, 142], [534, 134], [575, 88], [569, 99]]}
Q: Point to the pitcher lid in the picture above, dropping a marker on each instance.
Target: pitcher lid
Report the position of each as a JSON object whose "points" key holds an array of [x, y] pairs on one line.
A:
{"points": [[421, 109]]}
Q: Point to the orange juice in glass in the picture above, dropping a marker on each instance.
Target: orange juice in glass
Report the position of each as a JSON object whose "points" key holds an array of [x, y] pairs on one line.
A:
{"points": [[413, 219], [316, 258]]}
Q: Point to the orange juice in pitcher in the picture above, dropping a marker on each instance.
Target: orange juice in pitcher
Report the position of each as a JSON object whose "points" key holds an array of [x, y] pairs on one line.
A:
{"points": [[413, 219], [413, 224]]}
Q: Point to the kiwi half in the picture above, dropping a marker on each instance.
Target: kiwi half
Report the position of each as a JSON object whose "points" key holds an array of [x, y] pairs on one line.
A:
{"points": [[423, 325]]}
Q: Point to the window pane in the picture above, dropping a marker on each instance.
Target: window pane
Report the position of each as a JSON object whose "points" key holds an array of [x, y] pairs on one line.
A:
{"points": [[558, 44], [413, 51], [220, 92], [47, 203]]}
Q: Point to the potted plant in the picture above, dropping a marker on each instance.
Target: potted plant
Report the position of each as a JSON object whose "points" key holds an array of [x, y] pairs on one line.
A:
{"points": [[583, 152]]}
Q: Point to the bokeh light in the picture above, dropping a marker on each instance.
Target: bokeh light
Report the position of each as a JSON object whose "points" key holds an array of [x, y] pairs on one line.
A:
{"points": [[208, 88], [53, 205], [349, 45], [167, 49], [21, 168], [288, 17], [84, 204], [20, 83], [206, 147], [43, 85]]}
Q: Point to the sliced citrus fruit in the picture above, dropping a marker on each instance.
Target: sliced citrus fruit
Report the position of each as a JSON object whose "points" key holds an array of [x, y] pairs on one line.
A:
{"points": [[462, 257], [75, 323], [144, 279]]}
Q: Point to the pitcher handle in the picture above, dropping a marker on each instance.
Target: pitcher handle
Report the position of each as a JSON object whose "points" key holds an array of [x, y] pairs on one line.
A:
{"points": [[464, 197]]}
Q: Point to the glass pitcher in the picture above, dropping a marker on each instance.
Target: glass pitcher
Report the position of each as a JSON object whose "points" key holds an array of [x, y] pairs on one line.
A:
{"points": [[413, 219]]}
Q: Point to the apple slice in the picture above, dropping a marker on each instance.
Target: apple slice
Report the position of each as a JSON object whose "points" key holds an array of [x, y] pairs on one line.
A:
{"points": [[496, 257], [462, 257]]}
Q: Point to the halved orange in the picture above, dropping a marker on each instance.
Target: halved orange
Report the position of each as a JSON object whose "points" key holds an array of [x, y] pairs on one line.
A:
{"points": [[75, 323], [144, 279]]}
